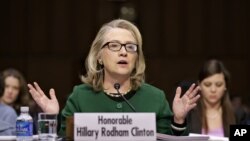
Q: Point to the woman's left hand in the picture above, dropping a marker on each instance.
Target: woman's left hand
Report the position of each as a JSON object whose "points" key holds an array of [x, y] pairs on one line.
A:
{"points": [[182, 105]]}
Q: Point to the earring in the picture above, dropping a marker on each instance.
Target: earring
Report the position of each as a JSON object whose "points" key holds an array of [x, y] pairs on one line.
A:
{"points": [[100, 62]]}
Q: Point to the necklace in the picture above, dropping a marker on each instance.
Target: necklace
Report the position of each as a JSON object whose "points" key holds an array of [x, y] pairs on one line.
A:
{"points": [[117, 94]]}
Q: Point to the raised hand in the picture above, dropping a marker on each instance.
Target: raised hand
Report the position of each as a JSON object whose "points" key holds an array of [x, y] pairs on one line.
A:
{"points": [[47, 105], [182, 105]]}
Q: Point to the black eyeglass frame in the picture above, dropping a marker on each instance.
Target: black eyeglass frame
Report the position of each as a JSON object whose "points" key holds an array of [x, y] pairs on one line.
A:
{"points": [[121, 45]]}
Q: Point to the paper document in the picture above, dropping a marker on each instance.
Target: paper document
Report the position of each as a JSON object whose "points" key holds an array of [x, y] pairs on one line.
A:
{"points": [[211, 138], [165, 137]]}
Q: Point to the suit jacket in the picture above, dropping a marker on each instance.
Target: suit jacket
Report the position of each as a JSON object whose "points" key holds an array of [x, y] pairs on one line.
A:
{"points": [[194, 121]]}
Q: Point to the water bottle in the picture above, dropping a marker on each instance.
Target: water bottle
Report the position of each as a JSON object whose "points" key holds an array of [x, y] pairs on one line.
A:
{"points": [[24, 125]]}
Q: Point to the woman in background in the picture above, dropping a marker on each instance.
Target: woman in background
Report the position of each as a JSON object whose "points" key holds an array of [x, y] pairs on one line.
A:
{"points": [[213, 114], [7, 117], [15, 93]]}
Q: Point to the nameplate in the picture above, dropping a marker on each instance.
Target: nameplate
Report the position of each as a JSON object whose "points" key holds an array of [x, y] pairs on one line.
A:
{"points": [[114, 126]]}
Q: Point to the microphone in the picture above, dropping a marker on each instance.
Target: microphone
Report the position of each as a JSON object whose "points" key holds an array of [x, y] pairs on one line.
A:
{"points": [[117, 87]]}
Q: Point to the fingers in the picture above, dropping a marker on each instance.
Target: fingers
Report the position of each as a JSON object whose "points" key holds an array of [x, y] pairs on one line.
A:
{"points": [[192, 106], [192, 91], [40, 91], [178, 92], [52, 94], [33, 92], [194, 100], [31, 87]]}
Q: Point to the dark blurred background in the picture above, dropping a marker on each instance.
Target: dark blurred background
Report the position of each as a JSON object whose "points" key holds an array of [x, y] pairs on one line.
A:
{"points": [[48, 40]]}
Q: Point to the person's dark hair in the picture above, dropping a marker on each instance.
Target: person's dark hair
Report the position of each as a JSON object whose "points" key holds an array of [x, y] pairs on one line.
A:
{"points": [[211, 67]]}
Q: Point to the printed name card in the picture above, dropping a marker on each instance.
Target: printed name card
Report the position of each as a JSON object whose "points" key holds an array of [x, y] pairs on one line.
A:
{"points": [[115, 126]]}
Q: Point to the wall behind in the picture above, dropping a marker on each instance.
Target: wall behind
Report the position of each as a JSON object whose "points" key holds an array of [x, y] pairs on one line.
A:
{"points": [[48, 40]]}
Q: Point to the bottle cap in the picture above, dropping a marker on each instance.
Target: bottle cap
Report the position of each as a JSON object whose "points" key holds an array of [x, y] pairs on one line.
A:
{"points": [[24, 109]]}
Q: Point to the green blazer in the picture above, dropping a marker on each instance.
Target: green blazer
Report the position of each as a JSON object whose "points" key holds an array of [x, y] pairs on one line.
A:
{"points": [[147, 98]]}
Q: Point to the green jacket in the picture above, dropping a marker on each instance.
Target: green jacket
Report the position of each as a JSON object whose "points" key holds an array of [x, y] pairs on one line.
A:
{"points": [[146, 99]]}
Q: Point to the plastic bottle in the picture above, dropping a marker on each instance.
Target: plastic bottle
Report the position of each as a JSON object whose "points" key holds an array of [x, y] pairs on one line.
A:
{"points": [[24, 125]]}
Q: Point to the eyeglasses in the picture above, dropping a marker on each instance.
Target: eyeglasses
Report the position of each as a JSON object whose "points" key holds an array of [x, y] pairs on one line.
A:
{"points": [[116, 46]]}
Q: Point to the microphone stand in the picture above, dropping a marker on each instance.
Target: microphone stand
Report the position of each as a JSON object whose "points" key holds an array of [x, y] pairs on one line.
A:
{"points": [[117, 87]]}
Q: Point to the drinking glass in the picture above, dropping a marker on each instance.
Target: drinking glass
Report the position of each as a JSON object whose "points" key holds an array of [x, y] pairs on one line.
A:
{"points": [[47, 126]]}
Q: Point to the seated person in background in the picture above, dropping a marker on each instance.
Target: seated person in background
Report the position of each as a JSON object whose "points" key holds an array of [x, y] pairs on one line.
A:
{"points": [[247, 118], [7, 117], [15, 93], [239, 108], [213, 114], [116, 57]]}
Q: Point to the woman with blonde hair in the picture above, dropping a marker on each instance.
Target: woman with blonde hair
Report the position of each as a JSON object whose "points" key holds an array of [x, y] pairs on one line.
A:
{"points": [[116, 62]]}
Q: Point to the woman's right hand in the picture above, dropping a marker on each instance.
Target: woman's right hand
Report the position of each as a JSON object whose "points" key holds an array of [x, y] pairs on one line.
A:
{"points": [[47, 105]]}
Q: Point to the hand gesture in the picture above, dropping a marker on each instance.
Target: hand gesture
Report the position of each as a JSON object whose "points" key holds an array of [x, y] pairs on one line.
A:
{"points": [[182, 105], [47, 105]]}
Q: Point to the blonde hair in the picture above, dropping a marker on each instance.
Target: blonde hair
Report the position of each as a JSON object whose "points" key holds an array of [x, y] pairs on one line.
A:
{"points": [[95, 75]]}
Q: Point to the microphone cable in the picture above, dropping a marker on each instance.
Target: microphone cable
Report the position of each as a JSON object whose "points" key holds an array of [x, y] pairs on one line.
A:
{"points": [[117, 87]]}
